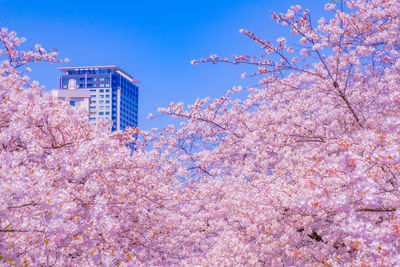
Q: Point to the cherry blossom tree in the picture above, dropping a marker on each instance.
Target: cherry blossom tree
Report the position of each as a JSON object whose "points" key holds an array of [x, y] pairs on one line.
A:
{"points": [[302, 172], [305, 170], [70, 192]]}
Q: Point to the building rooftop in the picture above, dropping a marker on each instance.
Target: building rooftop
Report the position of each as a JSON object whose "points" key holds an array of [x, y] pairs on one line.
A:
{"points": [[111, 67]]}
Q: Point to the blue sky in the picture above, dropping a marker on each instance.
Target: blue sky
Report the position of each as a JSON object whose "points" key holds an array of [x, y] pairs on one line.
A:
{"points": [[154, 41]]}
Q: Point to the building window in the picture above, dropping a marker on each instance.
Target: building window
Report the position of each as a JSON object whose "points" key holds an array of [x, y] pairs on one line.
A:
{"points": [[101, 107], [65, 86], [107, 107], [101, 90], [107, 90], [107, 78], [101, 113], [101, 78], [101, 102], [102, 84], [107, 85], [107, 101], [107, 96], [72, 103], [92, 96], [93, 101], [107, 112], [93, 90], [101, 96]]}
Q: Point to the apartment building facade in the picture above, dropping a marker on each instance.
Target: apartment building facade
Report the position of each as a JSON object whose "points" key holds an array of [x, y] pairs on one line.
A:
{"points": [[107, 92]]}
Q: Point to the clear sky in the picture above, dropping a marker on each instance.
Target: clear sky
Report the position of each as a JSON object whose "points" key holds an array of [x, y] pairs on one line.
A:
{"points": [[154, 41]]}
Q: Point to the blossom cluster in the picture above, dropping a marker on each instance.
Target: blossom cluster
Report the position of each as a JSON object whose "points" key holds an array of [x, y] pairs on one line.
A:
{"points": [[304, 171]]}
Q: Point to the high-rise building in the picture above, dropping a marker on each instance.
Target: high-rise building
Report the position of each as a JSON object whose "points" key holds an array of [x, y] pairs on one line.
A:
{"points": [[107, 92]]}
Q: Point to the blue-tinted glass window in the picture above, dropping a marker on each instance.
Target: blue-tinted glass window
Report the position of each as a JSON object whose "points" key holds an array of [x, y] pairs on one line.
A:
{"points": [[72, 103], [101, 113], [101, 90]]}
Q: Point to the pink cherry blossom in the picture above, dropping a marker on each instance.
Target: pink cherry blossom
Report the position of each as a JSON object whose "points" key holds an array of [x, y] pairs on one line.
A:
{"points": [[302, 171]]}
